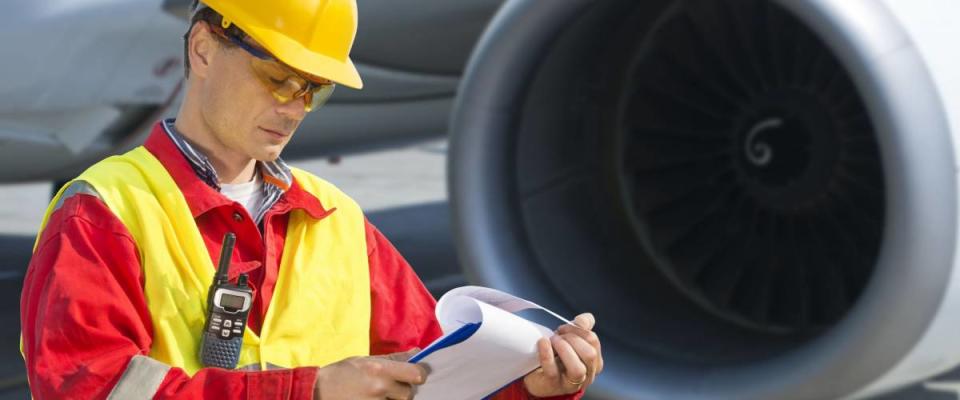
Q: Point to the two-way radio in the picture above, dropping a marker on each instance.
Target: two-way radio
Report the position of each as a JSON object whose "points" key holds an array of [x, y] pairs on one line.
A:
{"points": [[227, 309]]}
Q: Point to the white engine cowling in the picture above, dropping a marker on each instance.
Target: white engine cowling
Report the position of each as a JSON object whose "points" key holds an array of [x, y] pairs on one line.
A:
{"points": [[758, 199]]}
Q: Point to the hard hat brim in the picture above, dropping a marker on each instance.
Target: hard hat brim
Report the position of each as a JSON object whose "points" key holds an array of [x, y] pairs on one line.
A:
{"points": [[292, 53]]}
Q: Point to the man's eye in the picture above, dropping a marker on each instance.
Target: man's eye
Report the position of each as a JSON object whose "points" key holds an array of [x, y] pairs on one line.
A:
{"points": [[276, 81]]}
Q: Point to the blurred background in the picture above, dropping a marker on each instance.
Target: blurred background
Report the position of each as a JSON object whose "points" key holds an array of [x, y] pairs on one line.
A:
{"points": [[756, 198]]}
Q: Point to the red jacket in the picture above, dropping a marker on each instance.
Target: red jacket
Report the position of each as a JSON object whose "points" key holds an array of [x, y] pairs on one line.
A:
{"points": [[84, 315]]}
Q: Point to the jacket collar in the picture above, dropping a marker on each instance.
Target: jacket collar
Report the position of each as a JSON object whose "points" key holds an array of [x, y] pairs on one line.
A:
{"points": [[192, 172]]}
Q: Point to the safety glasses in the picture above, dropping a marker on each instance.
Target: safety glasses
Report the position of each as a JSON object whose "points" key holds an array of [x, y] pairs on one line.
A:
{"points": [[281, 81]]}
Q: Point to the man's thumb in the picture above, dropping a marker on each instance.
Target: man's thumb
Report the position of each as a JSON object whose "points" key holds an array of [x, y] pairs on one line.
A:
{"points": [[403, 356]]}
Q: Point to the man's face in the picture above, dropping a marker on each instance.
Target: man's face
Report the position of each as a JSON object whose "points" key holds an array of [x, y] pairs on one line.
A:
{"points": [[243, 116]]}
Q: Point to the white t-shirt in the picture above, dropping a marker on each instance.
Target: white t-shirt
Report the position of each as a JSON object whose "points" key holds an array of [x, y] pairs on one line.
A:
{"points": [[249, 194]]}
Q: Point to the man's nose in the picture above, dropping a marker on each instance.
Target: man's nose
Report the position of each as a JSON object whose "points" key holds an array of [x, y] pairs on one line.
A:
{"points": [[293, 109]]}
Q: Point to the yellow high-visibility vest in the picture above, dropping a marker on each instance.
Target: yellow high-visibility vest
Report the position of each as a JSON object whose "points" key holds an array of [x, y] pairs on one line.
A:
{"points": [[320, 309]]}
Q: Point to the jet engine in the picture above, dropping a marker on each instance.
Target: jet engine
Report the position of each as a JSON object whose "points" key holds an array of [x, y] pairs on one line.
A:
{"points": [[756, 198]]}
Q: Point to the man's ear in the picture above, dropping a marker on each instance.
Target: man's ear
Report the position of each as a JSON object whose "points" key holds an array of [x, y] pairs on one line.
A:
{"points": [[201, 49]]}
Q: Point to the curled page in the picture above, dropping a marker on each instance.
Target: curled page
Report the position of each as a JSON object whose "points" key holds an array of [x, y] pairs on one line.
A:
{"points": [[485, 346]]}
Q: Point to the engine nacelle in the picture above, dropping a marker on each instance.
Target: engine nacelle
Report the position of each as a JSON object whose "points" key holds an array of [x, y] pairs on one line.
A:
{"points": [[758, 199]]}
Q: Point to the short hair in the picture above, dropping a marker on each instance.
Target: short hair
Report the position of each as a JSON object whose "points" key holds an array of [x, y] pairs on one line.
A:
{"points": [[211, 17]]}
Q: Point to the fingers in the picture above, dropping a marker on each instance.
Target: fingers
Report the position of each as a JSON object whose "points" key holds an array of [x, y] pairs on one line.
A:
{"points": [[588, 355], [575, 369], [402, 356], [548, 364], [585, 321], [399, 391], [405, 372], [588, 336]]}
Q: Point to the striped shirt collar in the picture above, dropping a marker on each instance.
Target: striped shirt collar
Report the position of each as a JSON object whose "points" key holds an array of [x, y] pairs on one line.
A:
{"points": [[277, 177]]}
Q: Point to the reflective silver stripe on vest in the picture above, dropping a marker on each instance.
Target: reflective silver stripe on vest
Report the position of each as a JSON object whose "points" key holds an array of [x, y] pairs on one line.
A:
{"points": [[141, 379], [75, 188]]}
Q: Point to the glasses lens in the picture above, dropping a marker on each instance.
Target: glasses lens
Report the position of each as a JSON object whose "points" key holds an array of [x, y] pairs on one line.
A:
{"points": [[317, 97], [279, 80], [286, 85]]}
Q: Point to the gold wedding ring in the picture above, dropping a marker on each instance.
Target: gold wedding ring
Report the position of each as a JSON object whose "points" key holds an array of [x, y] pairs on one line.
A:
{"points": [[577, 384]]}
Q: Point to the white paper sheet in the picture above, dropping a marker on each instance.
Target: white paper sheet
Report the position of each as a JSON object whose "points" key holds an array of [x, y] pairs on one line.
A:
{"points": [[503, 349]]}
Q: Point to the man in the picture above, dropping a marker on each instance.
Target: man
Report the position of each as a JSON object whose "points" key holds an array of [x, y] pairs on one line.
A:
{"points": [[114, 301]]}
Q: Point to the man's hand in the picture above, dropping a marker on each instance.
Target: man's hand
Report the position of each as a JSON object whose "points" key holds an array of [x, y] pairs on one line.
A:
{"points": [[577, 363], [370, 378]]}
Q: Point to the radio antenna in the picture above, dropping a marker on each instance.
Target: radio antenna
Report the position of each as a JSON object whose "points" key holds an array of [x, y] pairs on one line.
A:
{"points": [[226, 252]]}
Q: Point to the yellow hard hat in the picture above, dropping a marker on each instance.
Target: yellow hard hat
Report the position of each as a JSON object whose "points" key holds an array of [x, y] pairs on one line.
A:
{"points": [[313, 36]]}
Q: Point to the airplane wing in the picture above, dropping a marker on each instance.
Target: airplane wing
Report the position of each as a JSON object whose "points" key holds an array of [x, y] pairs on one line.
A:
{"points": [[92, 76]]}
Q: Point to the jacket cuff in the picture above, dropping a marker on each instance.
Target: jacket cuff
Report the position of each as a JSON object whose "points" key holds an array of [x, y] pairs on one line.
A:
{"points": [[304, 382], [293, 384]]}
